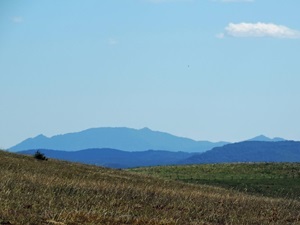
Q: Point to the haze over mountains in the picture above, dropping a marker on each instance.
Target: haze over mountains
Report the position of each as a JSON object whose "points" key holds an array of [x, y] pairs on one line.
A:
{"points": [[126, 139], [116, 158]]}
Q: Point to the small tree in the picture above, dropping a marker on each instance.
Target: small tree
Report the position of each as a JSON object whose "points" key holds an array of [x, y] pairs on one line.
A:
{"points": [[40, 156]]}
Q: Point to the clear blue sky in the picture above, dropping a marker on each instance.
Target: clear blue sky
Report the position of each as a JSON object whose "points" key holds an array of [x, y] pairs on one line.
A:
{"points": [[205, 69]]}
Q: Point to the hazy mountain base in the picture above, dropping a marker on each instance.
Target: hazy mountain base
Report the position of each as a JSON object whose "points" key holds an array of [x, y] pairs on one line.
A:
{"points": [[53, 192], [249, 151], [113, 158]]}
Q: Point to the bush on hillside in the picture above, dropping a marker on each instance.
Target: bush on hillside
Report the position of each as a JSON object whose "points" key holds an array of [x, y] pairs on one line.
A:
{"points": [[40, 156]]}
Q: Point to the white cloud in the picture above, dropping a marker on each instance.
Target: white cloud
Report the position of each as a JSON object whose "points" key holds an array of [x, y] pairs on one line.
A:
{"points": [[17, 19], [260, 30]]}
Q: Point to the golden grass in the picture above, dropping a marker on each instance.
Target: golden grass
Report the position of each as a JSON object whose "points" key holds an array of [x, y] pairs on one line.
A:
{"points": [[56, 192]]}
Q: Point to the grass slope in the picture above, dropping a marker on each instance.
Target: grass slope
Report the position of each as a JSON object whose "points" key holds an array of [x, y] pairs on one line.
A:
{"points": [[56, 192], [263, 179]]}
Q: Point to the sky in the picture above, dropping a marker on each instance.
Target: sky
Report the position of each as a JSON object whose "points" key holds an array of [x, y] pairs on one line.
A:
{"points": [[217, 70]]}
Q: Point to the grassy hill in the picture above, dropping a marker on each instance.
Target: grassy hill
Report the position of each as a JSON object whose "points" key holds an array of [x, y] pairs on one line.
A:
{"points": [[55, 192], [262, 179]]}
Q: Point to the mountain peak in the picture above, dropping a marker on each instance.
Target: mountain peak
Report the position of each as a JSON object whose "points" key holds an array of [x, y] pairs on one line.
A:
{"points": [[145, 129], [41, 136], [265, 138], [262, 138]]}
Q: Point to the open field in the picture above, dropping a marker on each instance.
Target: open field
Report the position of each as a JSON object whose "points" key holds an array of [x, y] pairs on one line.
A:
{"points": [[263, 179], [56, 192]]}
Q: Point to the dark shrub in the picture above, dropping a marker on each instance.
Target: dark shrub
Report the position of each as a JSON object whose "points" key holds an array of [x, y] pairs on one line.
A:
{"points": [[40, 156]]}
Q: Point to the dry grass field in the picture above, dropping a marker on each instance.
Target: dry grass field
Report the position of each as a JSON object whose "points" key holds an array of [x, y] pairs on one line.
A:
{"points": [[54, 192]]}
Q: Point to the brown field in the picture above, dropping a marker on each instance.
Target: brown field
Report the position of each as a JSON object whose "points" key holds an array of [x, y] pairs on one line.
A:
{"points": [[55, 192]]}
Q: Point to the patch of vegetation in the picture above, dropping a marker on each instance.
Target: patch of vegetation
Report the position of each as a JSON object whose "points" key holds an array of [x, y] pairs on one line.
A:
{"points": [[60, 192], [40, 156], [263, 179]]}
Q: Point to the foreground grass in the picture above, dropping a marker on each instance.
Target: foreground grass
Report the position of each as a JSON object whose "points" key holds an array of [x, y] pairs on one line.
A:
{"points": [[54, 192], [263, 179]]}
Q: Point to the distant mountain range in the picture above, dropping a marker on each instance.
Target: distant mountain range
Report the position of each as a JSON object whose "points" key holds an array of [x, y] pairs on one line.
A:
{"points": [[249, 151], [115, 158], [127, 147], [126, 139]]}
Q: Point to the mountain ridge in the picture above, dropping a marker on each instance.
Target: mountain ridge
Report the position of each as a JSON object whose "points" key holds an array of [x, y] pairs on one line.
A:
{"points": [[127, 139], [115, 158], [249, 151]]}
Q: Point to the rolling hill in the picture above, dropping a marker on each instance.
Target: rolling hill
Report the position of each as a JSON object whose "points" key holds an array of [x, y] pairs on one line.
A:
{"points": [[249, 151], [126, 139], [278, 180], [58, 193]]}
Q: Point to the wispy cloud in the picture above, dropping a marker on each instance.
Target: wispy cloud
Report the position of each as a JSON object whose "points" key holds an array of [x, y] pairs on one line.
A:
{"points": [[259, 30], [17, 19]]}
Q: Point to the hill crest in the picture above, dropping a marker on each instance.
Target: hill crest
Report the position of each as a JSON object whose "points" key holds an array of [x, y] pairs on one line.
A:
{"points": [[249, 151]]}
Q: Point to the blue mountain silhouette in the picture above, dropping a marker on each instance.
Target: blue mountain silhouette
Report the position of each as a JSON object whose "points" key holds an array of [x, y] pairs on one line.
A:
{"points": [[249, 151], [264, 138], [115, 158], [122, 138]]}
